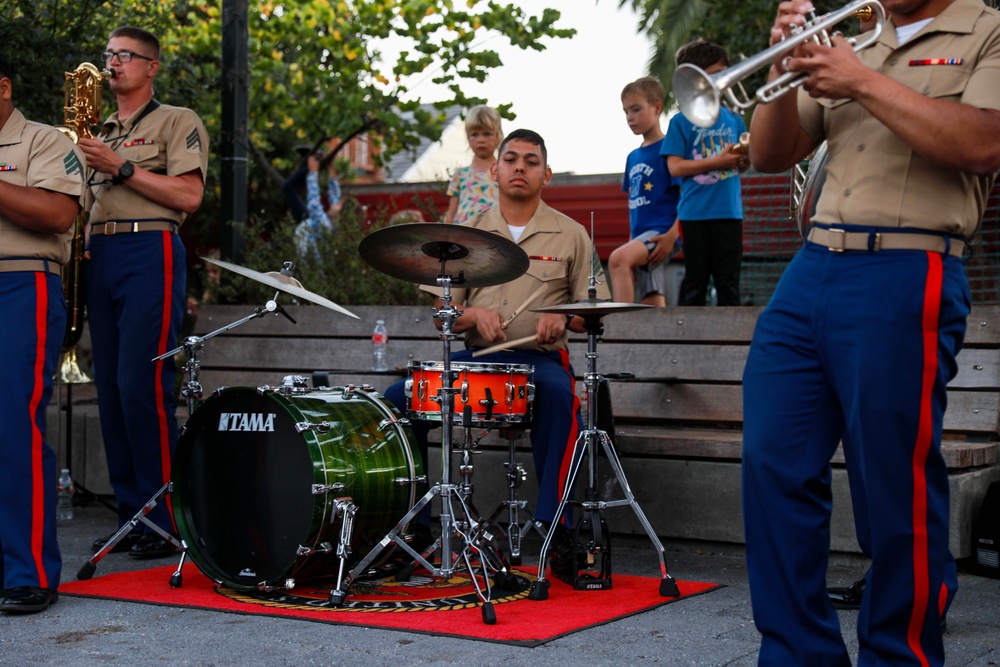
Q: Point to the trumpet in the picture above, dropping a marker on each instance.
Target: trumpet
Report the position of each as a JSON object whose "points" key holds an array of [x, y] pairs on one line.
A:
{"points": [[699, 95]]}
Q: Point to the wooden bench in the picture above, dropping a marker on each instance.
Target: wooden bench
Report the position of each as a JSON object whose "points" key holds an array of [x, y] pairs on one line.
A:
{"points": [[677, 422]]}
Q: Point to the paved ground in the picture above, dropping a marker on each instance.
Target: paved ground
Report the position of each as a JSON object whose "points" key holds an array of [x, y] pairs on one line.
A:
{"points": [[712, 629]]}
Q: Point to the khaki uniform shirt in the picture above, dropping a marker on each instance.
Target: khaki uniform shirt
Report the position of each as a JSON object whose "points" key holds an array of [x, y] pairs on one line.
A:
{"points": [[169, 140], [37, 156], [560, 256], [873, 177]]}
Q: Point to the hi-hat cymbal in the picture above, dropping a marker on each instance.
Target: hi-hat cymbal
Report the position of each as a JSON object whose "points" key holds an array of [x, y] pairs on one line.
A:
{"points": [[592, 308], [420, 252], [283, 283]]}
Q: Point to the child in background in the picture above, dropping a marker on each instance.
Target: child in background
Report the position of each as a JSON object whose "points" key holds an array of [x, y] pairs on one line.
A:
{"points": [[652, 202], [472, 189], [710, 207], [319, 220]]}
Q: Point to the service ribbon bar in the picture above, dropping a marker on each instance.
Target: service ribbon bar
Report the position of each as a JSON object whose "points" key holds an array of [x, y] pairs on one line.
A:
{"points": [[936, 61]]}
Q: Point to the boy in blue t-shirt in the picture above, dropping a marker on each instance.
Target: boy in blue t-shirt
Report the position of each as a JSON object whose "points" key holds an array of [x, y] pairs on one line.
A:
{"points": [[710, 207], [652, 202]]}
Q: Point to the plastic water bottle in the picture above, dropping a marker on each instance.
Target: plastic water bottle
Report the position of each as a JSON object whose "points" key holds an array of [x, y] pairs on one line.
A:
{"points": [[380, 341], [64, 496]]}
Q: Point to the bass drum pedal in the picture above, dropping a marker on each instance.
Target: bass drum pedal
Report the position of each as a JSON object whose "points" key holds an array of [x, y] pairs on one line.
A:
{"points": [[584, 560]]}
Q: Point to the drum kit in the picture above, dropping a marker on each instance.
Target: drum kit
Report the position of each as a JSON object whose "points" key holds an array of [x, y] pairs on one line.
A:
{"points": [[278, 484]]}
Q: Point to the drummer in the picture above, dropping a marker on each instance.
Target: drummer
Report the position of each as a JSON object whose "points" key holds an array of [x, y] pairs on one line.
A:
{"points": [[561, 257]]}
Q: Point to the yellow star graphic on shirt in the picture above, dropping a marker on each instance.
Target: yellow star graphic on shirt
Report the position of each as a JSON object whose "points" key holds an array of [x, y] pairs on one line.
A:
{"points": [[648, 186]]}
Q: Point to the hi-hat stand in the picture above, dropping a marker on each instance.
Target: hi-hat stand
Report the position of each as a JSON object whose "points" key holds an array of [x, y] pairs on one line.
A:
{"points": [[587, 444]]}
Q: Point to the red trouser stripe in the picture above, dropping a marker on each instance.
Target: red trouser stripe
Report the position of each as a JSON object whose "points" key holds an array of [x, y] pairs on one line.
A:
{"points": [[37, 478], [921, 568], [161, 347], [574, 431]]}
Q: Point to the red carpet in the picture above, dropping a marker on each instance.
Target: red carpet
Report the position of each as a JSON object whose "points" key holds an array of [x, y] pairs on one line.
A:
{"points": [[388, 604]]}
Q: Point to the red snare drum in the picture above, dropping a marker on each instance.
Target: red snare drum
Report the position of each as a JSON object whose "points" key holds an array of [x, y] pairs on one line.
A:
{"points": [[497, 393]]}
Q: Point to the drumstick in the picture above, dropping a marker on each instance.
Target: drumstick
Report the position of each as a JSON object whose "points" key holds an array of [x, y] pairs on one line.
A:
{"points": [[503, 346], [537, 293]]}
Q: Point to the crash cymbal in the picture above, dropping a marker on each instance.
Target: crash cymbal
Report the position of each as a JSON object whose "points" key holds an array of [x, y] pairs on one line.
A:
{"points": [[280, 281], [592, 308], [420, 252]]}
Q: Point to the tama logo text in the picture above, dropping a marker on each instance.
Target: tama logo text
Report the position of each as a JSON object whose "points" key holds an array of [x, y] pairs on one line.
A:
{"points": [[246, 421]]}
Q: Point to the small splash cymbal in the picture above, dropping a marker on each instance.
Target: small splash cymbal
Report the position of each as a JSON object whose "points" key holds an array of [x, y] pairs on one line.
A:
{"points": [[280, 281], [420, 252], [592, 308]]}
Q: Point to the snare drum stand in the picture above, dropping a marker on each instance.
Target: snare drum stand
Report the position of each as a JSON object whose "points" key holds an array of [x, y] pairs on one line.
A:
{"points": [[592, 506], [192, 392], [473, 532]]}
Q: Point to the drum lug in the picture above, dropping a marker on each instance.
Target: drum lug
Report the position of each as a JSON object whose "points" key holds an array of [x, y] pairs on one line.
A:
{"points": [[288, 585], [321, 489], [321, 427], [386, 424], [324, 548], [406, 481]]}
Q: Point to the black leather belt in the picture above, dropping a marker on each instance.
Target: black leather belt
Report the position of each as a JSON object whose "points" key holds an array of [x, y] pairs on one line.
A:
{"points": [[43, 265], [112, 227], [839, 240]]}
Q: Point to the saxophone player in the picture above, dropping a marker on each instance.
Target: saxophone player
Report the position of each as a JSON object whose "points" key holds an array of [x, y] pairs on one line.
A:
{"points": [[147, 170], [41, 183]]}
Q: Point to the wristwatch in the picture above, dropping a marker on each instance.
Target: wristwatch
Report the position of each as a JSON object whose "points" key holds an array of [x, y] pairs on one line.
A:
{"points": [[124, 172]]}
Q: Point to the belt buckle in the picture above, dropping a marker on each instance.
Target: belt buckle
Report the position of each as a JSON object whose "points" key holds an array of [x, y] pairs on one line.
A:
{"points": [[110, 228], [837, 234]]}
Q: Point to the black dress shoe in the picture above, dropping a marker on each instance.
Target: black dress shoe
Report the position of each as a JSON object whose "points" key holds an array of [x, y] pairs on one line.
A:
{"points": [[152, 545], [28, 600], [848, 597], [123, 545]]}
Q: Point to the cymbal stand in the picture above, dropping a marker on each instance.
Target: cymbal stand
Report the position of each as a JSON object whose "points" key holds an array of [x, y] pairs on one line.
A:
{"points": [[476, 538], [192, 389], [587, 443]]}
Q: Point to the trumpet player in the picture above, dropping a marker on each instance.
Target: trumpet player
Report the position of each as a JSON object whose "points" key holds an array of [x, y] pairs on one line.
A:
{"points": [[860, 337], [41, 182], [147, 173]]}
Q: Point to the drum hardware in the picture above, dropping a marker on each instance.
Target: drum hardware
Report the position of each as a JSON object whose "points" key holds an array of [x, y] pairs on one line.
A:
{"points": [[264, 587], [516, 475], [405, 481], [440, 254], [321, 427], [323, 548], [592, 310], [321, 489], [88, 569]]}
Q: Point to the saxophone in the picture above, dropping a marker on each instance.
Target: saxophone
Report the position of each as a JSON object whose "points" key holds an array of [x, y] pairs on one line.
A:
{"points": [[82, 109]]}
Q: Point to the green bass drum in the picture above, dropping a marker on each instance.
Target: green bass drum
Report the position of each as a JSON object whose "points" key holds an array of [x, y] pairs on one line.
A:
{"points": [[257, 474]]}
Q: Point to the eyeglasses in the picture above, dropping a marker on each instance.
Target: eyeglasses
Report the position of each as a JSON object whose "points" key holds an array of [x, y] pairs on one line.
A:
{"points": [[123, 56]]}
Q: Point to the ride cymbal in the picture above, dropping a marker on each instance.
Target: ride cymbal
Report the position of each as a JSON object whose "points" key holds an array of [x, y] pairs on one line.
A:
{"points": [[420, 252], [281, 282]]}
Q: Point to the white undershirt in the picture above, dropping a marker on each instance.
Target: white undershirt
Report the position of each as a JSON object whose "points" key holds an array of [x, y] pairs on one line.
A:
{"points": [[515, 232], [904, 33]]}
